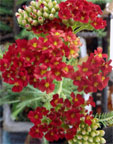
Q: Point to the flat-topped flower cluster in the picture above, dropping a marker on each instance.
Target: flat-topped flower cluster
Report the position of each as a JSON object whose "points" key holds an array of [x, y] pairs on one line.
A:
{"points": [[46, 62]]}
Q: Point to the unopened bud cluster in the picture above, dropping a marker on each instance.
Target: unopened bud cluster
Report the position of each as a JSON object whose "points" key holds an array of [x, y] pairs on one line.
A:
{"points": [[37, 12], [89, 134]]}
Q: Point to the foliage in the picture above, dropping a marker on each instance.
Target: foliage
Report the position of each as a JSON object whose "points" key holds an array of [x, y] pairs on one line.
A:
{"points": [[100, 1], [106, 118]]}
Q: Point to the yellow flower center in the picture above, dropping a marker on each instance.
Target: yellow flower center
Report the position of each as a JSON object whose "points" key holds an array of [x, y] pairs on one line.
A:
{"points": [[34, 45], [55, 43], [95, 84], [85, 69], [57, 73], [43, 72], [46, 84]]}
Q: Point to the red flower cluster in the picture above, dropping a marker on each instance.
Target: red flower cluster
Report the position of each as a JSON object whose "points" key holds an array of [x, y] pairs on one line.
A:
{"points": [[39, 61], [62, 120], [82, 11], [92, 74]]}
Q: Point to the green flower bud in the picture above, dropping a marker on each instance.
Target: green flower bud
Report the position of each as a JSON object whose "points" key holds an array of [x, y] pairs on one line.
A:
{"points": [[79, 129], [50, 5], [97, 139], [90, 139], [51, 16], [102, 132], [79, 142], [41, 20], [97, 133], [33, 3], [19, 19], [57, 7], [83, 132], [30, 20], [28, 9], [55, 2], [37, 5], [85, 138], [25, 16], [71, 22], [45, 9], [88, 129], [85, 143], [28, 26], [34, 11], [39, 13], [24, 22], [45, 3], [75, 140], [45, 15], [20, 10], [17, 14], [34, 22], [79, 137], [53, 10], [65, 21], [102, 140], [94, 127], [93, 134], [82, 125]]}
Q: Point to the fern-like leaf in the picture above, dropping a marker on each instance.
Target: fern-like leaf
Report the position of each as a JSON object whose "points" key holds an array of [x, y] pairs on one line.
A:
{"points": [[106, 118]]}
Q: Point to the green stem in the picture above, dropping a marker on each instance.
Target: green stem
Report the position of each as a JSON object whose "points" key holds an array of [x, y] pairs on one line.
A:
{"points": [[80, 29], [60, 87]]}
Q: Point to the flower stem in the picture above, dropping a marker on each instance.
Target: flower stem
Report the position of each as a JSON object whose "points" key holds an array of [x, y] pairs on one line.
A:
{"points": [[60, 87]]}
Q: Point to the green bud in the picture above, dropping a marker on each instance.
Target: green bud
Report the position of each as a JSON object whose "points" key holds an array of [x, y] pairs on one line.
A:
{"points": [[90, 139], [85, 143], [79, 142], [97, 133], [28, 26], [79, 137], [82, 125], [102, 132], [41, 20], [39, 13], [93, 134], [19, 19], [37, 5], [45, 15], [51, 16], [85, 138], [45, 3], [24, 22], [34, 22], [55, 2], [20, 10], [102, 140], [88, 129], [94, 127], [83, 132], [30, 19], [79, 129], [75, 140], [71, 22], [57, 7], [34, 11], [45, 9], [97, 139], [53, 10], [28, 9], [33, 3], [65, 21], [50, 5], [25, 16]]}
